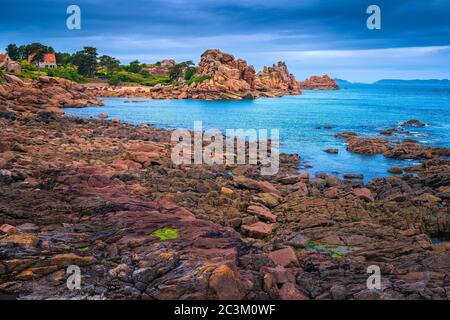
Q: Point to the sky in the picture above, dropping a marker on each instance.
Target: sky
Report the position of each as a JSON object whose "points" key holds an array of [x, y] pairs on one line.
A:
{"points": [[311, 36]]}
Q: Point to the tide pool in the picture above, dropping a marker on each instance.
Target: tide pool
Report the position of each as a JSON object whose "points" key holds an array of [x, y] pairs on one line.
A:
{"points": [[365, 109]]}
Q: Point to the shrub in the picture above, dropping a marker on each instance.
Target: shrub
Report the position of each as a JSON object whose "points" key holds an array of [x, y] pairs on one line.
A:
{"points": [[114, 80], [66, 73], [33, 75], [125, 76], [197, 79], [25, 65], [155, 79]]}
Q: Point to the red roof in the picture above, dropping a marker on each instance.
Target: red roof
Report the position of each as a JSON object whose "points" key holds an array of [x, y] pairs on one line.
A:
{"points": [[48, 57], [2, 56]]}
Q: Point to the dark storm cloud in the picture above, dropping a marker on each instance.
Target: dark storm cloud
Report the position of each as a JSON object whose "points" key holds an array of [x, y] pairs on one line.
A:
{"points": [[252, 29]]}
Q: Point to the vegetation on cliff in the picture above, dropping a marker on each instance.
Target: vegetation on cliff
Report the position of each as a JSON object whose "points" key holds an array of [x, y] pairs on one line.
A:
{"points": [[87, 66]]}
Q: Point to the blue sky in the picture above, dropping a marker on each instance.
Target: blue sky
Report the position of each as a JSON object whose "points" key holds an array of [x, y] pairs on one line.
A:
{"points": [[313, 37]]}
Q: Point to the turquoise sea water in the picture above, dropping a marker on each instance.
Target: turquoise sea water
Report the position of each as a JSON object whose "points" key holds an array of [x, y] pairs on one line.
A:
{"points": [[366, 109]]}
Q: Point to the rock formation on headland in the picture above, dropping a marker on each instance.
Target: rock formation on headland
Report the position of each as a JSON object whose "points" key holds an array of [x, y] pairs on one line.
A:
{"points": [[319, 83], [227, 73], [45, 94], [276, 77], [229, 78]]}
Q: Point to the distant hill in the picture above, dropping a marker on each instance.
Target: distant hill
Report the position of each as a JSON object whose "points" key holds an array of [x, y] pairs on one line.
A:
{"points": [[342, 83], [412, 82], [347, 84], [394, 82]]}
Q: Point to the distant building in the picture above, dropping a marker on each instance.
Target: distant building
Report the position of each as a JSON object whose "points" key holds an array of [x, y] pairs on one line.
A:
{"points": [[11, 66], [167, 63], [49, 60], [4, 60], [161, 68]]}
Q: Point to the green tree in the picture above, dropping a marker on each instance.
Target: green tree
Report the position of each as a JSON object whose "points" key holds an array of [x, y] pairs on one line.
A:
{"points": [[13, 51], [23, 53], [35, 47], [109, 63], [190, 72], [37, 58], [178, 70], [135, 66], [86, 61], [63, 58], [175, 72]]}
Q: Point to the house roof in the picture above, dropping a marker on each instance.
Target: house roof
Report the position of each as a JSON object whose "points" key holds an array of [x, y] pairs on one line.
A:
{"points": [[3, 56], [48, 57]]}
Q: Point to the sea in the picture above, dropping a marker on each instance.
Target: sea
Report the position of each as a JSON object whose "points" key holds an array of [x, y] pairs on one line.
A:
{"points": [[307, 123]]}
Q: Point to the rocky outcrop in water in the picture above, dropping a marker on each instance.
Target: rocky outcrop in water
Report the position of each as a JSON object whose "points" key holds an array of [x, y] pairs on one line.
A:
{"points": [[403, 149], [319, 83], [46, 94]]}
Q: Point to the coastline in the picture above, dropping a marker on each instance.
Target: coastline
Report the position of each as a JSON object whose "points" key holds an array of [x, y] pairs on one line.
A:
{"points": [[234, 230]]}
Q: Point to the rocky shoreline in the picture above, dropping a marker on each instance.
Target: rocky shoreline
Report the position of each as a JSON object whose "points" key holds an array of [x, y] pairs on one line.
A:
{"points": [[47, 94], [105, 196]]}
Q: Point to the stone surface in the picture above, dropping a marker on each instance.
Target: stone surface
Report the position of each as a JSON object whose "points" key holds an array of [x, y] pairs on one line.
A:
{"points": [[364, 194], [262, 213], [224, 283], [9, 229], [153, 230], [284, 257], [258, 229]]}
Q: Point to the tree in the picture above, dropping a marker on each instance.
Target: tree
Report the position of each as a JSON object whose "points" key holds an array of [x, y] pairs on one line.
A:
{"points": [[86, 61], [135, 66], [109, 63], [13, 51], [35, 47], [190, 72], [37, 58], [177, 70], [63, 58], [23, 53]]}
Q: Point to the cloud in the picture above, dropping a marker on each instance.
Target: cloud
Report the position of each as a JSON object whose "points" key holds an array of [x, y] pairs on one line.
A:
{"points": [[311, 35], [392, 53]]}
